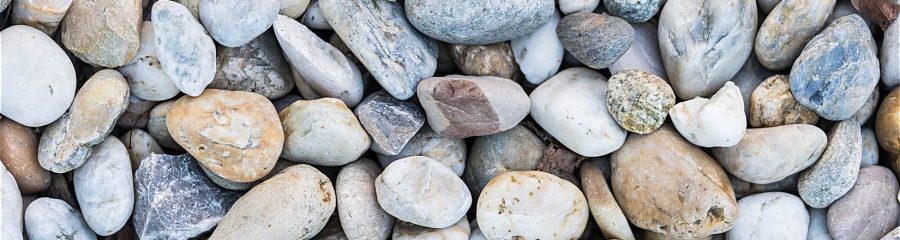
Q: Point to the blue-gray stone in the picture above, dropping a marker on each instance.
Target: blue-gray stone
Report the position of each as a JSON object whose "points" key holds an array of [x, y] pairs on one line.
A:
{"points": [[594, 39], [478, 22], [834, 174], [390, 122], [633, 11]]}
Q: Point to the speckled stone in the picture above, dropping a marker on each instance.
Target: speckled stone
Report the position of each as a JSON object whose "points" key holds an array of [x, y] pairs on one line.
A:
{"points": [[11, 205], [157, 127], [571, 6], [465, 106], [494, 59], [539, 53], [44, 15], [486, 22], [516, 149], [233, 23], [186, 53], [771, 215], [594, 39], [869, 210], [449, 151], [603, 205], [767, 155], [137, 115], [422, 191], [787, 29], [322, 132], [103, 33], [835, 172], [643, 54], [139, 144], [890, 56], [18, 152], [50, 218], [772, 104], [634, 11], [390, 122], [257, 66], [146, 78], [639, 101], [105, 187], [361, 216]]}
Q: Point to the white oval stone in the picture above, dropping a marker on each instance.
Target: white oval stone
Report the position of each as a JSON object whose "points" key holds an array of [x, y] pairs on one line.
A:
{"points": [[422, 191], [539, 53], [11, 206], [233, 23], [571, 6], [361, 216], [314, 18], [50, 218], [105, 187], [146, 78], [771, 215], [292, 8], [322, 132], [186, 53], [715, 122]]}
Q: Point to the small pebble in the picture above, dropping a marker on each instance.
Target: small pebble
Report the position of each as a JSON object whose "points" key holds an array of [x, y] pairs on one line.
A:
{"points": [[772, 104], [422, 191], [50, 218], [818, 224], [485, 21], [292, 8], [834, 174], [105, 187], [516, 149], [869, 148], [234, 23], [594, 39], [639, 101], [322, 132], [157, 126], [715, 122], [184, 50], [18, 152], [870, 209], [391, 123], [466, 106], [494, 59], [771, 215], [571, 6], [890, 56], [314, 18], [103, 33]]}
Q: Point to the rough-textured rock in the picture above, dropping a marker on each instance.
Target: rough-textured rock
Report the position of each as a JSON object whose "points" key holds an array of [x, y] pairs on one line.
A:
{"points": [[787, 29], [882, 12], [361, 216], [292, 8], [422, 191], [772, 215], [639, 101], [257, 66], [322, 132], [187, 55], [390, 122], [887, 122], [11, 205], [18, 152], [823, 79], [634, 11], [869, 147], [478, 22], [449, 151], [105, 187], [869, 210], [494, 59], [103, 33], [643, 54], [594, 39], [603, 205], [44, 15], [139, 144], [748, 79], [835, 172], [767, 155], [38, 78], [314, 18], [862, 115], [466, 106], [145, 75], [516, 149], [704, 43], [571, 6], [67, 143], [157, 128], [715, 122], [233, 23], [539, 53], [49, 218], [408, 231], [694, 199], [772, 104], [137, 114], [890, 56], [818, 226]]}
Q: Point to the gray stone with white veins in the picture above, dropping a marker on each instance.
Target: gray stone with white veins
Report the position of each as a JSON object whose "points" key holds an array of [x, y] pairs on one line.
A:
{"points": [[539, 53], [257, 66], [361, 216], [186, 53], [643, 54], [146, 78], [233, 23], [890, 55], [50, 218], [834, 174], [596, 40], [105, 187], [634, 11], [390, 122], [478, 22], [787, 29]]}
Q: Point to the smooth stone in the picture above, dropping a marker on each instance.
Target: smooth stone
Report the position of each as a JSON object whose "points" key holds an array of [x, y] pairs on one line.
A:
{"points": [[137, 114], [869, 147], [643, 54], [594, 39], [139, 145], [869, 108], [157, 126], [890, 56], [634, 11], [822, 79], [743, 188], [38, 78], [314, 18], [705, 43], [322, 132], [539, 54], [639, 101], [465, 106], [767, 155], [772, 215], [882, 12], [656, 202], [484, 22], [516, 149], [105, 187], [835, 172], [531, 205], [571, 106], [408, 231], [146, 78], [887, 122], [327, 71], [361, 216], [50, 218], [11, 205], [292, 8], [67, 143], [45, 15], [103, 33], [494, 59], [602, 203], [257, 66], [715, 122], [390, 122], [397, 56], [234, 23], [18, 152], [818, 226], [772, 104], [571, 6], [449, 151], [184, 50], [869, 210], [787, 29], [311, 203], [751, 75], [175, 200], [422, 191], [234, 134]]}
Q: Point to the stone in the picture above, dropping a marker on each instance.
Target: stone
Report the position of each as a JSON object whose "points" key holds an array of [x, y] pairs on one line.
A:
{"points": [[11, 204], [45, 15], [465, 106], [818, 226], [312, 202], [49, 218], [772, 104], [836, 171], [187, 55], [157, 126], [657, 202], [531, 205], [314, 18], [408, 231], [146, 78], [38, 78], [869, 210], [361, 216], [571, 106], [639, 101], [18, 152], [643, 54], [571, 6], [449, 151], [327, 71], [139, 145], [768, 155], [292, 8], [771, 215], [890, 58], [887, 122], [787, 29], [105, 187], [234, 134], [715, 122], [602, 203], [257, 66], [634, 11], [743, 188], [594, 39], [862, 115], [175, 200], [66, 143], [822, 80], [137, 115], [234, 23], [322, 132], [516, 149], [390, 122], [422, 191], [396, 55], [705, 43], [494, 59], [869, 147], [882, 12], [539, 53], [103, 33], [486, 22]]}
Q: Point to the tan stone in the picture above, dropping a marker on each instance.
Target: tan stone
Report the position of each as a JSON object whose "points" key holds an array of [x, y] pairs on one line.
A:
{"points": [[887, 122], [18, 152], [603, 205], [485, 60], [772, 104], [103, 32]]}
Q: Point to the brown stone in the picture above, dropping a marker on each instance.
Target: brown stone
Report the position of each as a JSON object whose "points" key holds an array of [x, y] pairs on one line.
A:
{"points": [[882, 12], [603, 205], [466, 106], [887, 122], [485, 60], [869, 210], [772, 104], [18, 152]]}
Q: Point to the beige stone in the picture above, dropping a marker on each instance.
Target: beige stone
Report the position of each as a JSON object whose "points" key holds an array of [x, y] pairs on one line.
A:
{"points": [[773, 104], [887, 122], [603, 205], [103, 33], [322, 132], [485, 60]]}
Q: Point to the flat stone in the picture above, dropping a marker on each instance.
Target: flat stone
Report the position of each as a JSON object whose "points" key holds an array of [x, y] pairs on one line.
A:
{"points": [[748, 79], [494, 59], [422, 191], [486, 22], [233, 23], [45, 15], [361, 216], [390, 122], [105, 187], [146, 78], [449, 151], [539, 53], [139, 145], [516, 149], [466, 106], [187, 55], [314, 18], [643, 54], [890, 58], [157, 127], [49, 218], [715, 122], [634, 11], [594, 39], [103, 33], [772, 104], [322, 132], [18, 152], [257, 66], [603, 205], [818, 226], [771, 215], [835, 172], [767, 155], [292, 8], [11, 204], [639, 101], [408, 231], [571, 6], [137, 115], [870, 209], [869, 147], [787, 29]]}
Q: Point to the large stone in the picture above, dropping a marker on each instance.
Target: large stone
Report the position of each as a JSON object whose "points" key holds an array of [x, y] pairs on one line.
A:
{"points": [[772, 104], [145, 75], [634, 11], [11, 205], [835, 172], [50, 218], [422, 191], [594, 39], [449, 151], [715, 122], [643, 54], [322, 132], [767, 155], [787, 29], [887, 122], [105, 187], [494, 59], [771, 215], [408, 231], [478, 22], [361, 216], [870, 209], [516, 149], [466, 106], [140, 145], [603, 205], [890, 56], [103, 33], [157, 128], [639, 101], [187, 55], [233, 23], [539, 53], [44, 15], [390, 122], [257, 66], [18, 152]]}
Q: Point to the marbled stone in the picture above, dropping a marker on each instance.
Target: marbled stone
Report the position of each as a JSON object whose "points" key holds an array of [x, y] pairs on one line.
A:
{"points": [[292, 8], [539, 53], [571, 6], [157, 126], [50, 218], [639, 101], [715, 122], [137, 115], [835, 172], [869, 147], [105, 187], [485, 22], [233, 23], [422, 191], [44, 15], [146, 78], [361, 216], [139, 145], [771, 215], [890, 56], [449, 151], [634, 11], [466, 106], [18, 152], [187, 55], [787, 29], [643, 54], [322, 132], [11, 205], [516, 149], [390, 122], [602, 203], [594, 39], [103, 33], [869, 210], [314, 18], [772, 104], [767, 155], [257, 66]]}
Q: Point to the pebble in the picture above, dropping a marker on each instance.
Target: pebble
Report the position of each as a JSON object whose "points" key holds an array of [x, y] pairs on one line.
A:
{"points": [[38, 78], [465, 106], [105, 187], [485, 22], [11, 205], [822, 81], [890, 56], [643, 54], [594, 39], [327, 71], [835, 172], [771, 215], [869, 210], [312, 203], [571, 6], [314, 18], [869, 147], [175, 200], [158, 128], [494, 59], [531, 205], [887, 122], [699, 63], [67, 143], [635, 11], [516, 149], [103, 33], [18, 152], [449, 151], [422, 191], [234, 23], [787, 29], [639, 101], [602, 203], [137, 115], [322, 132], [146, 78], [818, 226], [361, 216], [772, 104], [397, 55], [408, 231], [45, 15], [140, 145], [768, 155], [184, 50], [50, 218], [390, 122], [751, 75], [862, 115], [715, 122], [257, 66], [571, 106], [656, 202], [539, 54], [234, 134], [292, 8]]}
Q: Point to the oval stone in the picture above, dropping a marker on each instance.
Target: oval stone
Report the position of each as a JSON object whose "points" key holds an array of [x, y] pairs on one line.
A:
{"points": [[292, 8], [887, 122], [835, 172], [772, 104], [322, 132], [50, 218], [422, 191], [449, 151], [634, 11], [314, 18], [233, 23], [257, 66], [870, 209], [361, 216], [639, 101], [594, 39], [465, 106], [890, 56], [787, 29], [869, 148], [103, 33], [539, 53], [146, 78], [771, 215], [187, 55], [767, 155], [485, 21], [105, 187], [516, 149], [18, 152]]}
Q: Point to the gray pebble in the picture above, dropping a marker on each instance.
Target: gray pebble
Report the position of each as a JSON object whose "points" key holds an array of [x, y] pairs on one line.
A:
{"points": [[186, 53], [890, 55], [634, 11], [257, 66], [516, 149], [484, 21], [50, 218], [157, 127], [105, 187], [835, 173], [390, 122], [594, 39]]}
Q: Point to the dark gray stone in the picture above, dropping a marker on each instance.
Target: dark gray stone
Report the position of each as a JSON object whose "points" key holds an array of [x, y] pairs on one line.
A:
{"points": [[594, 39], [257, 66], [633, 11], [478, 22], [835, 172], [390, 122], [516, 149]]}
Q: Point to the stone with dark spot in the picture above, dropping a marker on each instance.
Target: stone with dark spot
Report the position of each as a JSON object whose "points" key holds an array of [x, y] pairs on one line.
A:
{"points": [[594, 39], [788, 28], [870, 209], [639, 101], [257, 66], [103, 33], [494, 59], [478, 22], [466, 106], [145, 75], [634, 11], [835, 172], [390, 122], [771, 215], [187, 54]]}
